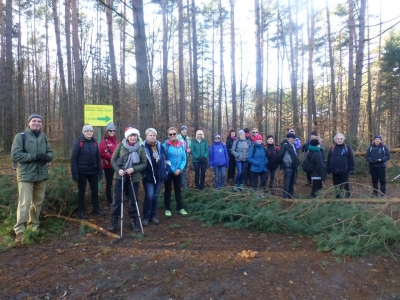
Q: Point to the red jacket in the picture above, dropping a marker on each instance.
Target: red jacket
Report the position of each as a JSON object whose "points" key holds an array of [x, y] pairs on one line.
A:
{"points": [[107, 147]]}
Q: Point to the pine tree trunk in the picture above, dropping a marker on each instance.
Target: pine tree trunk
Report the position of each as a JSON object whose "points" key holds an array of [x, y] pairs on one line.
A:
{"points": [[259, 73], [164, 96], [196, 101], [182, 102], [233, 65]]}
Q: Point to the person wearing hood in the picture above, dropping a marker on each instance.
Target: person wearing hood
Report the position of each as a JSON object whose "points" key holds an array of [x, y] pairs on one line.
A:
{"points": [[86, 167], [199, 150], [258, 163], [219, 160], [232, 164], [240, 150], [377, 155], [128, 161], [272, 151], [318, 173], [107, 147]]}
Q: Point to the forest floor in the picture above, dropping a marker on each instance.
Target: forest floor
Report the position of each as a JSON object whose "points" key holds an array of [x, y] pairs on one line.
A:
{"points": [[183, 259]]}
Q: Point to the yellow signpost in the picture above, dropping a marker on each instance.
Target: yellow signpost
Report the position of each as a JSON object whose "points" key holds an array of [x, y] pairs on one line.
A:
{"points": [[98, 115]]}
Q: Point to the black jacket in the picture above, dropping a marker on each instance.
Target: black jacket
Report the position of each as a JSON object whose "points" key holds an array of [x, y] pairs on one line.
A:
{"points": [[155, 171], [376, 153], [229, 144], [287, 156], [85, 158], [272, 156], [340, 159], [317, 161]]}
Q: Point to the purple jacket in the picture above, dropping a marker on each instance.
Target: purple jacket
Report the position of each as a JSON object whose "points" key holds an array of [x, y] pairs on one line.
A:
{"points": [[218, 155]]}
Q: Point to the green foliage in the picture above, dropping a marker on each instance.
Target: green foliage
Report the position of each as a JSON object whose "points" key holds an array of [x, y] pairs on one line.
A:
{"points": [[343, 228], [83, 229]]}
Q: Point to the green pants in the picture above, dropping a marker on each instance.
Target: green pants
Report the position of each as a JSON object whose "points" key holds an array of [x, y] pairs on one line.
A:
{"points": [[31, 195]]}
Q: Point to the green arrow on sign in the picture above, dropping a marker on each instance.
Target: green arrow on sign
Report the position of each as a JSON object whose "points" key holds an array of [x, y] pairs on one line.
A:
{"points": [[106, 119]]}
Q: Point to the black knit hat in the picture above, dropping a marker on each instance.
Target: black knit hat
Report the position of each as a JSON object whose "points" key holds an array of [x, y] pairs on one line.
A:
{"points": [[314, 133], [291, 135], [246, 130], [314, 142]]}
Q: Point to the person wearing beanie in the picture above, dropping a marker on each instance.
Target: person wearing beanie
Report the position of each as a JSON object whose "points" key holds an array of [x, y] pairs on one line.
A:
{"points": [[317, 170], [254, 133], [107, 147], [240, 150], [304, 148], [199, 151], [377, 155], [128, 161], [177, 156], [219, 160], [30, 152], [272, 156], [232, 164], [289, 160], [340, 163], [187, 142], [258, 161], [86, 167]]}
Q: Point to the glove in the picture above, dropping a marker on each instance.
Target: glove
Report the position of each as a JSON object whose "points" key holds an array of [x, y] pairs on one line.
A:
{"points": [[40, 156], [75, 178], [45, 160], [201, 159], [351, 172]]}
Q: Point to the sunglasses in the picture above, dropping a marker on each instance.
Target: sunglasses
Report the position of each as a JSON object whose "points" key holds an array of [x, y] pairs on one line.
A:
{"points": [[172, 134], [255, 131], [217, 138], [111, 130]]}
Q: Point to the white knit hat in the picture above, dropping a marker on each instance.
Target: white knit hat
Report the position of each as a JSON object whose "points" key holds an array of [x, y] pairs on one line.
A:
{"points": [[131, 131], [199, 132]]}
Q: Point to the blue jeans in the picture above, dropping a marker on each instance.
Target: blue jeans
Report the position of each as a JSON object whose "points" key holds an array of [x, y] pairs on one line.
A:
{"points": [[151, 190], [289, 177], [219, 173], [241, 167], [199, 174]]}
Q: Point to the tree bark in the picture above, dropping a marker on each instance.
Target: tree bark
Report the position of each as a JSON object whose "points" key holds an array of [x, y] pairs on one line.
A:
{"points": [[259, 73], [196, 121], [164, 96], [310, 95], [350, 85], [233, 65], [182, 102]]}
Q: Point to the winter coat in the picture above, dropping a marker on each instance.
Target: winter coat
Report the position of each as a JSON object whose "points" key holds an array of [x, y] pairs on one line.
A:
{"points": [[287, 155], [199, 149], [340, 159], [240, 149], [218, 155], [272, 156], [257, 158], [155, 171], [28, 168], [374, 153], [297, 144], [229, 144], [107, 148], [186, 141], [176, 154], [122, 152], [304, 148], [85, 158], [316, 159]]}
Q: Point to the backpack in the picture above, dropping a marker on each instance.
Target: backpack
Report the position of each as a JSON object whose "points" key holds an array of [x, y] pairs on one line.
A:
{"points": [[23, 135], [307, 166], [345, 146]]}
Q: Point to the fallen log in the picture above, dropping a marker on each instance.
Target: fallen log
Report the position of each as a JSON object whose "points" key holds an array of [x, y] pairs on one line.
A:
{"points": [[86, 223]]}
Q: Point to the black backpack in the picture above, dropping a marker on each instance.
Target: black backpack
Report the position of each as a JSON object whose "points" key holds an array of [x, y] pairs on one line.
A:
{"points": [[307, 166]]}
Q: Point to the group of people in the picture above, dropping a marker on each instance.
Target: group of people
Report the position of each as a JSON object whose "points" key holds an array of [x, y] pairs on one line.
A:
{"points": [[128, 162]]}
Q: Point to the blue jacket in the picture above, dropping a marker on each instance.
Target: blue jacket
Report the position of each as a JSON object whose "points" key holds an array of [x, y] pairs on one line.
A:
{"points": [[176, 154], [218, 155], [258, 160]]}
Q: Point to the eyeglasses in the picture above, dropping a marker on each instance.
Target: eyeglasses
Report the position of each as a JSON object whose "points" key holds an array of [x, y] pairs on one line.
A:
{"points": [[111, 130], [172, 134], [255, 131], [217, 138]]}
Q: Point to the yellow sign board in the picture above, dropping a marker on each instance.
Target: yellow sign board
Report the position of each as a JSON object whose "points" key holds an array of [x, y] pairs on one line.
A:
{"points": [[98, 115]]}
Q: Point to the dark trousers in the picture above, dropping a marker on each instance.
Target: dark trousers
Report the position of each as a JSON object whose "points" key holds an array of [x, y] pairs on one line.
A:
{"points": [[109, 175], [342, 181], [289, 177], [247, 175], [151, 190], [199, 174], [378, 174], [263, 179], [231, 168], [177, 181], [271, 178], [94, 189], [308, 177], [116, 204], [316, 187]]}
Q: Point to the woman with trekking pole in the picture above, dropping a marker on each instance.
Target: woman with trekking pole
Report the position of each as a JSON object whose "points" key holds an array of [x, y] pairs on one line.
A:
{"points": [[128, 160]]}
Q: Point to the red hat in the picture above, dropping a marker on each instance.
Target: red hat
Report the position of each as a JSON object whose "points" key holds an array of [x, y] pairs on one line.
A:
{"points": [[258, 137]]}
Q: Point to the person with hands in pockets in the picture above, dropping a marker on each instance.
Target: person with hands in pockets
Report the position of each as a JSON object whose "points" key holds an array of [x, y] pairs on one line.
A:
{"points": [[31, 152], [258, 163], [240, 150], [377, 156], [86, 167], [219, 160], [199, 150], [289, 160]]}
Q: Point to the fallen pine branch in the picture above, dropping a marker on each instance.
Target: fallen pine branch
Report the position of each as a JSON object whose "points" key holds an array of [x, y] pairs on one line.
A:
{"points": [[348, 200], [86, 223]]}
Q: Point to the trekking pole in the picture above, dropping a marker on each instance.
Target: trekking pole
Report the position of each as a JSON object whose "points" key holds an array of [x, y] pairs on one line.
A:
{"points": [[137, 206], [396, 177], [122, 204]]}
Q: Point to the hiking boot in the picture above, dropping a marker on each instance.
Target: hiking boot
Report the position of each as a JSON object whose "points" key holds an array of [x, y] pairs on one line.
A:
{"points": [[155, 220], [236, 188], [99, 212], [83, 215], [145, 222], [134, 225], [183, 212], [168, 214], [18, 238], [113, 225]]}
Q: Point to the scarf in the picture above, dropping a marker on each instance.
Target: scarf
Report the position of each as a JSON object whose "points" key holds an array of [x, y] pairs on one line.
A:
{"points": [[153, 146], [314, 148], [133, 157]]}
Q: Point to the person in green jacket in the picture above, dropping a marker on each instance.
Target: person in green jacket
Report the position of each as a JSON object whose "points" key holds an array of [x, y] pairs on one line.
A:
{"points": [[31, 151], [199, 151], [128, 161]]}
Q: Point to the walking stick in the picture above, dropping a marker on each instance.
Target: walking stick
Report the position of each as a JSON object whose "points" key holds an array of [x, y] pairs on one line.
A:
{"points": [[137, 206], [122, 204]]}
